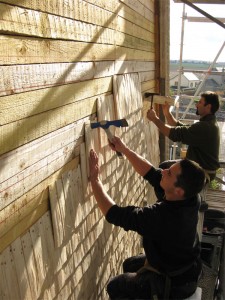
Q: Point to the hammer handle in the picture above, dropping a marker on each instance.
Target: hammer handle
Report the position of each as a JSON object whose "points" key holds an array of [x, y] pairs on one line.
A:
{"points": [[110, 137]]}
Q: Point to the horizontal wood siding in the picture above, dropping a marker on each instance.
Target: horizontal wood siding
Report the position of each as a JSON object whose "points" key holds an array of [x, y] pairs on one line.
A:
{"points": [[64, 64]]}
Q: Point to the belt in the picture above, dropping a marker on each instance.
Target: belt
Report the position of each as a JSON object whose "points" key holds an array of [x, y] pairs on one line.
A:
{"points": [[168, 276]]}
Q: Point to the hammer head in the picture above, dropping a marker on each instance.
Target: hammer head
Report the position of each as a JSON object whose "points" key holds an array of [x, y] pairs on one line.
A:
{"points": [[147, 94], [106, 124]]}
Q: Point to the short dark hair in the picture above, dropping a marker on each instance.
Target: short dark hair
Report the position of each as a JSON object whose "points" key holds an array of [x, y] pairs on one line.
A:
{"points": [[213, 99], [191, 179]]}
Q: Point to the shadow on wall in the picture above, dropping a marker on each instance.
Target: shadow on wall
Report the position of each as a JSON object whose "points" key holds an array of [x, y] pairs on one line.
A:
{"points": [[65, 253]]}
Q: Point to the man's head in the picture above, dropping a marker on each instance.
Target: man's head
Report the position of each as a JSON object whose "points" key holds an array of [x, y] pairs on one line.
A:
{"points": [[208, 104], [182, 180]]}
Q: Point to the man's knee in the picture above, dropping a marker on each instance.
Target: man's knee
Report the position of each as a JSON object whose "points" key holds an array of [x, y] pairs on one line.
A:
{"points": [[134, 263]]}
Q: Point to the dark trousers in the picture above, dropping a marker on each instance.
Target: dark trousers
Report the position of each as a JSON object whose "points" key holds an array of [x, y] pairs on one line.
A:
{"points": [[132, 285]]}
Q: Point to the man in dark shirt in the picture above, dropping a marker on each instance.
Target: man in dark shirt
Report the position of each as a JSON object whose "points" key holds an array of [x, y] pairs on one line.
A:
{"points": [[168, 229], [203, 137]]}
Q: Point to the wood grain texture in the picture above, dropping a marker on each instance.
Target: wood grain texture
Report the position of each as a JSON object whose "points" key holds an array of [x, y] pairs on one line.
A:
{"points": [[15, 162], [96, 12], [20, 106], [28, 50], [24, 50], [17, 217], [21, 132], [15, 79]]}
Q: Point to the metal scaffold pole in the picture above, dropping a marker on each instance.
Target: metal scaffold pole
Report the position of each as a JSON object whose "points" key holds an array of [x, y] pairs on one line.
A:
{"points": [[174, 146], [181, 52]]}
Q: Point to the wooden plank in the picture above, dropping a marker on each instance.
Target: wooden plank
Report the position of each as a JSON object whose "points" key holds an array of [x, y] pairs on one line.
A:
{"points": [[41, 263], [9, 274], [21, 272], [129, 41], [123, 53], [122, 66], [133, 16], [53, 254], [23, 78], [57, 218], [163, 99], [84, 11], [148, 85], [30, 264], [146, 76], [27, 24], [23, 225], [24, 50], [16, 186], [3, 281], [16, 161], [127, 94], [91, 141], [26, 204], [19, 133], [106, 111], [149, 4], [139, 7], [95, 12], [83, 163], [68, 180], [14, 79], [22, 21], [20, 106], [132, 29]]}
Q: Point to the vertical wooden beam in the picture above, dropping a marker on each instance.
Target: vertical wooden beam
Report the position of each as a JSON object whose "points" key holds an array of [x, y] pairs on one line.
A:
{"points": [[162, 9]]}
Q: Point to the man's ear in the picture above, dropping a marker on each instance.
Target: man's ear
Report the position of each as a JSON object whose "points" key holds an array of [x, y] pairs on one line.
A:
{"points": [[209, 107], [179, 192]]}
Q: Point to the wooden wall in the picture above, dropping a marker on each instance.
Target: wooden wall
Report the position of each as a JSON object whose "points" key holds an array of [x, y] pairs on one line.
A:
{"points": [[62, 65]]}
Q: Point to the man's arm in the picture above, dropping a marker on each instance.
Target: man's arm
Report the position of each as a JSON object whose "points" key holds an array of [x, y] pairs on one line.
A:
{"points": [[169, 117], [164, 129], [103, 199], [140, 164]]}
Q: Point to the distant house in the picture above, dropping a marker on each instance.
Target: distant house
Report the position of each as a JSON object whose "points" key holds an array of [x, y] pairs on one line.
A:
{"points": [[220, 78], [215, 80], [188, 80]]}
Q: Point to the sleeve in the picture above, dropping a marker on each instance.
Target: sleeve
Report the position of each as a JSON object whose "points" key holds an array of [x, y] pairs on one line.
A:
{"points": [[191, 135], [142, 220], [153, 176]]}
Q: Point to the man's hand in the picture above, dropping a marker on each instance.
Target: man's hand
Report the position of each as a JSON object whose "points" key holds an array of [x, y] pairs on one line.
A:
{"points": [[117, 144], [151, 115], [93, 166]]}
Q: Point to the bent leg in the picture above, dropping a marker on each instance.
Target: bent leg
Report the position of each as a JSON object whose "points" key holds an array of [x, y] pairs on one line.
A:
{"points": [[129, 286], [134, 263]]}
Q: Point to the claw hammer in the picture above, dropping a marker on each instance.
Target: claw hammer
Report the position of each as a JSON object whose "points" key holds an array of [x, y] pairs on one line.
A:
{"points": [[106, 124]]}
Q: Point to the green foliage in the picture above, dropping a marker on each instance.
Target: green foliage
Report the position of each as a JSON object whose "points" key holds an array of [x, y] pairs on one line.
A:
{"points": [[214, 185]]}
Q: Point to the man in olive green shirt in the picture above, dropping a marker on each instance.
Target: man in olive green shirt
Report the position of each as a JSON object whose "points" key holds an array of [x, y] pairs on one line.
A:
{"points": [[203, 137]]}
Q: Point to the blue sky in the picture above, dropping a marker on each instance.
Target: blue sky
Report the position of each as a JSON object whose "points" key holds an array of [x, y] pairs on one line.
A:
{"points": [[202, 41]]}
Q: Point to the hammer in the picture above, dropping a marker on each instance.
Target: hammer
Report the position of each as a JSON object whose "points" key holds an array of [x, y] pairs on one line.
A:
{"points": [[105, 125], [156, 98]]}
